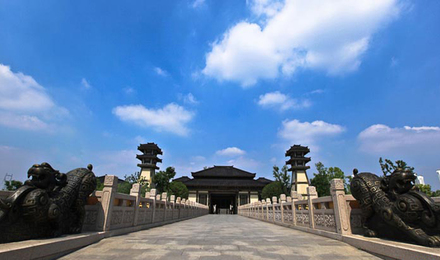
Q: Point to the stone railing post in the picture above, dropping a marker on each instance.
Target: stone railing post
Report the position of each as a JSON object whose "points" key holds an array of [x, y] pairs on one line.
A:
{"points": [[165, 207], [267, 208], [182, 208], [259, 209], [136, 191], [311, 194], [153, 196], [282, 201], [108, 197], [173, 204], [274, 201], [342, 213], [178, 200], [295, 197]]}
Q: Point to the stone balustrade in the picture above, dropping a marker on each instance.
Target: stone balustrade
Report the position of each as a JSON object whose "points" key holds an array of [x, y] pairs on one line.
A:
{"points": [[109, 210], [338, 213]]}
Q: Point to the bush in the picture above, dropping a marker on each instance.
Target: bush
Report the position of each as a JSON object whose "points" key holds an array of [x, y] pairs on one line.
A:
{"points": [[272, 189], [178, 189]]}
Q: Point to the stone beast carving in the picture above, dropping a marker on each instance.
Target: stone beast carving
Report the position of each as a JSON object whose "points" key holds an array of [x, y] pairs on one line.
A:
{"points": [[392, 207], [48, 205]]}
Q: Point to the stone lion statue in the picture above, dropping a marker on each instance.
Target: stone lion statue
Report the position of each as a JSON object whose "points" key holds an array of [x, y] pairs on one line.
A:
{"points": [[48, 205], [392, 207]]}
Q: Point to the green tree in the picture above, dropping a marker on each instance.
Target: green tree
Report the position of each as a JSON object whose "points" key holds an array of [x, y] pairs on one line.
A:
{"points": [[178, 189], [137, 178], [272, 189], [389, 167], [282, 177], [322, 179], [436, 193], [99, 184], [425, 189], [13, 185], [162, 179], [125, 187]]}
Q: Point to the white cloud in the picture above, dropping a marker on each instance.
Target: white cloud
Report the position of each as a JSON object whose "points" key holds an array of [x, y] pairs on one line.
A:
{"points": [[306, 133], [129, 90], [247, 164], [316, 91], [85, 84], [198, 3], [21, 93], [24, 103], [120, 163], [171, 118], [268, 8], [198, 158], [24, 122], [281, 101], [292, 34], [160, 72], [230, 151], [188, 99], [382, 138]]}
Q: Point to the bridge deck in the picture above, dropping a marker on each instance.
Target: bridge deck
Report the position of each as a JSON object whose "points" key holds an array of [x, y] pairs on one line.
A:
{"points": [[219, 237]]}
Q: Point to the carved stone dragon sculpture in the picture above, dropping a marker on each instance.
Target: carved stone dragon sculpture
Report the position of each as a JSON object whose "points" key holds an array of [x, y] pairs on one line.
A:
{"points": [[48, 205], [392, 207]]}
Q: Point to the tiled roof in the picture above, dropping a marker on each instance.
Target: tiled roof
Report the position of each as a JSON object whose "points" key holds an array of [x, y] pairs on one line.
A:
{"points": [[223, 172], [222, 183]]}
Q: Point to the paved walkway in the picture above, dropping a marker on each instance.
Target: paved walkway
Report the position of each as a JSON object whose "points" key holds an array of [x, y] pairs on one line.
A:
{"points": [[219, 237]]}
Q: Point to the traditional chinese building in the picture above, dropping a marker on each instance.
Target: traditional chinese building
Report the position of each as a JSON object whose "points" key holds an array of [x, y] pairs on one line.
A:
{"points": [[149, 159], [298, 167], [224, 187]]}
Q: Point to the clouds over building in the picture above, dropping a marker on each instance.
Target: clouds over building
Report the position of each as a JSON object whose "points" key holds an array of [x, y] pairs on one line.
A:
{"points": [[279, 101], [230, 151], [25, 104], [171, 118], [291, 35], [308, 133], [381, 139]]}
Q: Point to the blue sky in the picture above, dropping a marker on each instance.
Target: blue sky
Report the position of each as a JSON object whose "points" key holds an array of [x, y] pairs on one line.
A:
{"points": [[219, 83]]}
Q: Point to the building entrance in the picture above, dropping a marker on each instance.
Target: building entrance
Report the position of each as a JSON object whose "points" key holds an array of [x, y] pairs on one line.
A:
{"points": [[224, 204]]}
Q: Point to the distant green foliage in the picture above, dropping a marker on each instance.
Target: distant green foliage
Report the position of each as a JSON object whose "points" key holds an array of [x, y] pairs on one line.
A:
{"points": [[178, 189], [162, 179], [426, 188], [389, 167], [13, 185], [99, 184], [272, 189], [137, 178], [282, 177], [322, 179], [124, 187]]}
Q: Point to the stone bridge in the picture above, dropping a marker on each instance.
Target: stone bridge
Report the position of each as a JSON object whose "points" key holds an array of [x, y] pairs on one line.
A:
{"points": [[220, 237], [122, 226]]}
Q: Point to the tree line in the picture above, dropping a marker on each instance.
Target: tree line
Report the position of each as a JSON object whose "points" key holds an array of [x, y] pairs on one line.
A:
{"points": [[324, 175], [161, 180]]}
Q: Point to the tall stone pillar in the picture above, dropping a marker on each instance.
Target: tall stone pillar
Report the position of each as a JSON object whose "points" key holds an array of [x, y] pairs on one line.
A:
{"points": [[136, 191], [311, 194], [295, 197], [342, 212], [108, 196], [282, 202]]}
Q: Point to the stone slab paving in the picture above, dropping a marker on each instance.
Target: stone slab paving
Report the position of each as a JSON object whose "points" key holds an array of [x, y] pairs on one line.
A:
{"points": [[219, 237]]}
